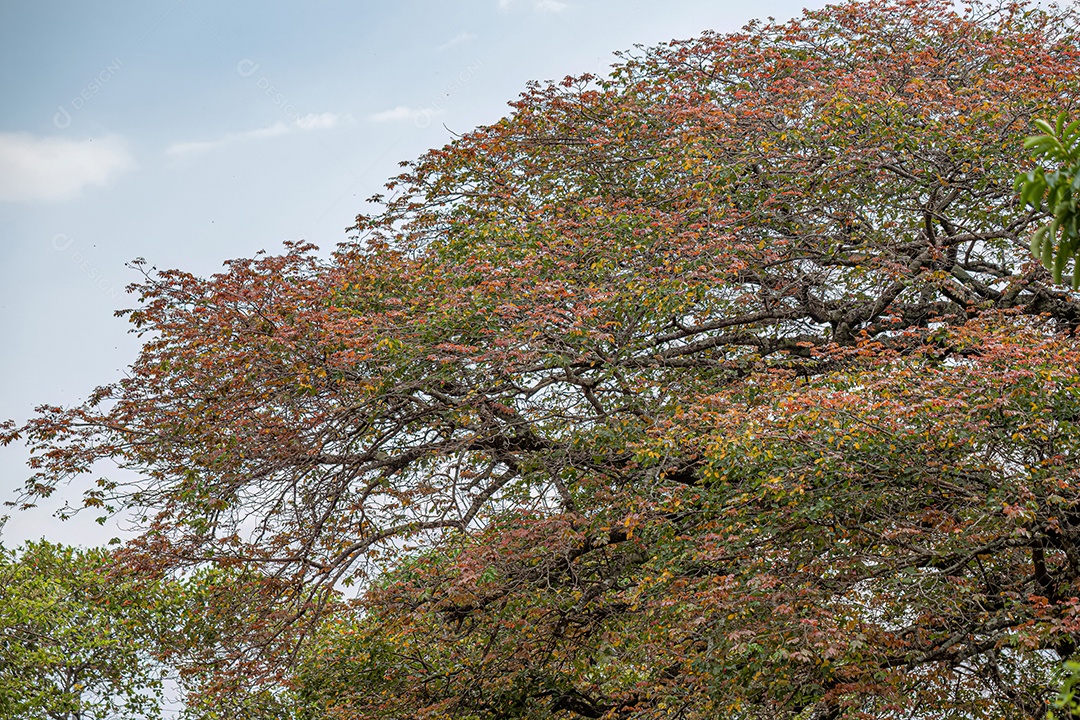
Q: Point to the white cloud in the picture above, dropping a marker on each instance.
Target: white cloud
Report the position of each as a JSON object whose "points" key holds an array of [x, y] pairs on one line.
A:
{"points": [[421, 118], [459, 39], [52, 168], [311, 121], [320, 121], [401, 112]]}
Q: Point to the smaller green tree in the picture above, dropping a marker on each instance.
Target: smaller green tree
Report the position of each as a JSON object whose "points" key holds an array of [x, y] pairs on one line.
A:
{"points": [[1053, 184], [76, 636]]}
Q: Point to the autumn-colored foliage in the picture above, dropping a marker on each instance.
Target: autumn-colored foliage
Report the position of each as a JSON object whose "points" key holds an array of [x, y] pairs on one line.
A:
{"points": [[724, 386]]}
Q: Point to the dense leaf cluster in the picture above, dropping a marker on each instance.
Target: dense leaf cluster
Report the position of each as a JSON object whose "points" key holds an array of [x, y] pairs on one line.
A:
{"points": [[77, 636]]}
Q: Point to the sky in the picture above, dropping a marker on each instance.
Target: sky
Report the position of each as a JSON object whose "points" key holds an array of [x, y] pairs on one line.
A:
{"points": [[190, 132]]}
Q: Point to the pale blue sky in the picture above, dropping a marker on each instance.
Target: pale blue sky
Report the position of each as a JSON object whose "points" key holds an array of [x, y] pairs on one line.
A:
{"points": [[189, 132]]}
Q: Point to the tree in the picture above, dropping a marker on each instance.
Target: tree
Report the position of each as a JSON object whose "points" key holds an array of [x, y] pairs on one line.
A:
{"points": [[77, 637], [217, 608], [721, 386], [85, 634]]}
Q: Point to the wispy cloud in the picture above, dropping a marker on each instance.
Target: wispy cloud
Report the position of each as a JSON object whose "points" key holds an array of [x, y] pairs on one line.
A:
{"points": [[401, 112], [50, 168], [404, 112], [311, 121], [459, 39], [321, 121]]}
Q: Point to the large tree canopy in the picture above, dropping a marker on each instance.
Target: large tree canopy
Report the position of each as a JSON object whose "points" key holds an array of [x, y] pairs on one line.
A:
{"points": [[724, 386]]}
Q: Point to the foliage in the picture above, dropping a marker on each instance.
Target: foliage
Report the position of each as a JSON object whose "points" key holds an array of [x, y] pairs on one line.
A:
{"points": [[76, 636], [1067, 699], [723, 386], [1059, 148], [852, 536], [219, 607]]}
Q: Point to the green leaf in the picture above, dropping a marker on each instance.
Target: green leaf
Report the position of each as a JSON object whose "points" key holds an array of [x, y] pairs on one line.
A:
{"points": [[1042, 125], [1048, 251], [1037, 239]]}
